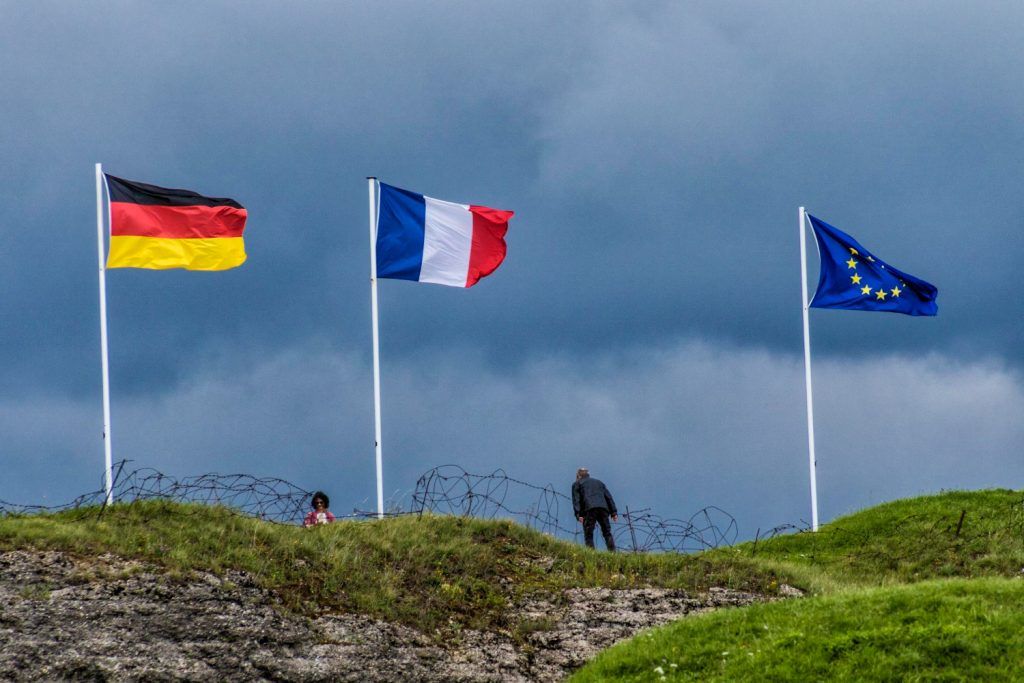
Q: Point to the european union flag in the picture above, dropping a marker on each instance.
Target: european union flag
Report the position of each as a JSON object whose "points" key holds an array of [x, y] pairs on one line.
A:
{"points": [[853, 279]]}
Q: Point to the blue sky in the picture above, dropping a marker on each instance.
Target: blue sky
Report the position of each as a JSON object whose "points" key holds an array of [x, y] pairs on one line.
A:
{"points": [[647, 320]]}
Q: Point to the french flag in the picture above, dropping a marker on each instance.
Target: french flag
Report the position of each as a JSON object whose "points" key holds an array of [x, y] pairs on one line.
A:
{"points": [[429, 240]]}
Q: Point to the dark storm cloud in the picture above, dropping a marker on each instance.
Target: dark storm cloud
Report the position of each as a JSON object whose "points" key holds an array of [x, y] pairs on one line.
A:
{"points": [[655, 157]]}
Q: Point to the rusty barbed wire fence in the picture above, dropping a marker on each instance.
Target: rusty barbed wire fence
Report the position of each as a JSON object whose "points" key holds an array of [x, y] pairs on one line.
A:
{"points": [[450, 489], [444, 490], [270, 499]]}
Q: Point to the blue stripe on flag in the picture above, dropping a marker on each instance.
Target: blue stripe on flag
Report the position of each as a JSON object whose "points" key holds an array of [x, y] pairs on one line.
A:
{"points": [[400, 233]]}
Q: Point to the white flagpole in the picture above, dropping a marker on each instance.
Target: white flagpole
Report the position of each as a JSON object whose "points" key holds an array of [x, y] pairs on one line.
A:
{"points": [[807, 369], [108, 451], [372, 185]]}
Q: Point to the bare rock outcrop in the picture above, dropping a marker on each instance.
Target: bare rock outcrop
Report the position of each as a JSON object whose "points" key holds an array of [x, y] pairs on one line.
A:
{"points": [[64, 618]]}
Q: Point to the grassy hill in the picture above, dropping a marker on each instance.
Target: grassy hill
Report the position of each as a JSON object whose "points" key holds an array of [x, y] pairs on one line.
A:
{"points": [[926, 589], [921, 589], [435, 573]]}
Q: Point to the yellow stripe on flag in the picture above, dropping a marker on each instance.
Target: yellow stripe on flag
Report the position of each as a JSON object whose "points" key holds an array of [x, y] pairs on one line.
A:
{"points": [[160, 253]]}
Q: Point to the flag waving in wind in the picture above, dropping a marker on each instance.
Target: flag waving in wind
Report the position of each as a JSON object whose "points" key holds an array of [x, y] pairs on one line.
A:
{"points": [[422, 239], [853, 279], [158, 228], [429, 240]]}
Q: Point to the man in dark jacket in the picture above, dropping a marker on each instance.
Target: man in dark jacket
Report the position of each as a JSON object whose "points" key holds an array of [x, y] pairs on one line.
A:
{"points": [[593, 504]]}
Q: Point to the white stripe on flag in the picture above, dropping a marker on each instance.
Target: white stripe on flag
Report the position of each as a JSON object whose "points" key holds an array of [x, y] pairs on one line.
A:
{"points": [[447, 240]]}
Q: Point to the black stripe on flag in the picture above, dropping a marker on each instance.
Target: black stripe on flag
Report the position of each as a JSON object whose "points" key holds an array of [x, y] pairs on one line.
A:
{"points": [[131, 192]]}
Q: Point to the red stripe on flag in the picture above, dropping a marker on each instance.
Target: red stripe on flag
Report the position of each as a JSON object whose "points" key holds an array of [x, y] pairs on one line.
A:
{"points": [[488, 247], [176, 222]]}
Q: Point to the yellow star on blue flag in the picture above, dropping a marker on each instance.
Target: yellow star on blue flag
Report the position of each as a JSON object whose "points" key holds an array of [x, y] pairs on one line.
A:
{"points": [[853, 279]]}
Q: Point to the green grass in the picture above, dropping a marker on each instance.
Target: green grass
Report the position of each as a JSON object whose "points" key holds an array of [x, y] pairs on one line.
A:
{"points": [[955, 534], [923, 589], [436, 573], [946, 630]]}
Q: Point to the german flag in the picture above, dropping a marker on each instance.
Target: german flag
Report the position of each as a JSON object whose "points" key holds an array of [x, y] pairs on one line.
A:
{"points": [[158, 228]]}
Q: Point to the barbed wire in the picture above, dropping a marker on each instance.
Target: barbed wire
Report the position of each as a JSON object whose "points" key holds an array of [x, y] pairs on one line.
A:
{"points": [[446, 490], [270, 499], [449, 489]]}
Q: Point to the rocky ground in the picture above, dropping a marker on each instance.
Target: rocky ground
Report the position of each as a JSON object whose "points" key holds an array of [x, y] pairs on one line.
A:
{"points": [[106, 619]]}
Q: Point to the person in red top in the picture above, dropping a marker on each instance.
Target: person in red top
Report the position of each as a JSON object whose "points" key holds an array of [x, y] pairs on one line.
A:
{"points": [[320, 513]]}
